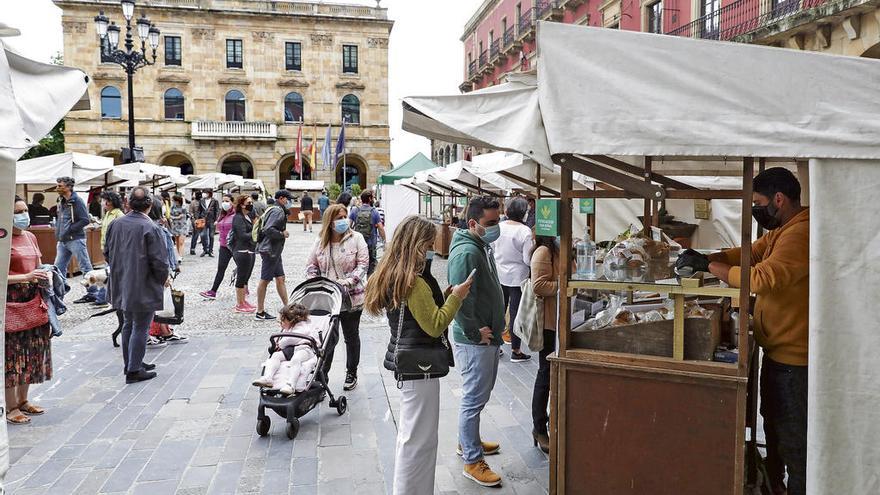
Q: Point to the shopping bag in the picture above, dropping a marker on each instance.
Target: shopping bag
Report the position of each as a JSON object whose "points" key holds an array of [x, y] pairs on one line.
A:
{"points": [[529, 323], [172, 308]]}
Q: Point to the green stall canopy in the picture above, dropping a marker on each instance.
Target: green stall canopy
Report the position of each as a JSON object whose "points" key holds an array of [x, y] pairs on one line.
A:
{"points": [[415, 164]]}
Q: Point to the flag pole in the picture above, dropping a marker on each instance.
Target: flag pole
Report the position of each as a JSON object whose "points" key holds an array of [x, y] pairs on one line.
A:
{"points": [[344, 166]]}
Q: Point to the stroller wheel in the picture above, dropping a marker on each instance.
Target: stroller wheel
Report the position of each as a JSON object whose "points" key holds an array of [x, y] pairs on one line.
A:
{"points": [[263, 425], [292, 428], [341, 405]]}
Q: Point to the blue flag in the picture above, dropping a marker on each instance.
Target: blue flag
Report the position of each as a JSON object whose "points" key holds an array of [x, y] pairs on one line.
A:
{"points": [[340, 145], [325, 152]]}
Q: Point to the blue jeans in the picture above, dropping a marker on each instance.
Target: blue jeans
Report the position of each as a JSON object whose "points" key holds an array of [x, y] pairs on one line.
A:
{"points": [[478, 365], [68, 249], [207, 236]]}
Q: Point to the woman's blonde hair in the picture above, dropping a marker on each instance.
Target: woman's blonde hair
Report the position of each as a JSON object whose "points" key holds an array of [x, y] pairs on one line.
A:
{"points": [[328, 219], [400, 265]]}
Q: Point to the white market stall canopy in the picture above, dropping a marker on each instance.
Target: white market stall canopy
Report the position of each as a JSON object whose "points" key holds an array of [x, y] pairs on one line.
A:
{"points": [[304, 185], [86, 170], [33, 97], [216, 181], [525, 173], [602, 94]]}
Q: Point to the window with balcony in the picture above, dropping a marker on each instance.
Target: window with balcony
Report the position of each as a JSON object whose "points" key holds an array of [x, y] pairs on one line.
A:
{"points": [[293, 56], [709, 10], [518, 16], [235, 106], [172, 50], [233, 54], [174, 104], [655, 17], [349, 59], [351, 109], [294, 107], [111, 103]]}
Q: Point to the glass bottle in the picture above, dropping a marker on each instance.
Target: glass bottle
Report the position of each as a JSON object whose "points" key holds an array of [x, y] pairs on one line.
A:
{"points": [[586, 257]]}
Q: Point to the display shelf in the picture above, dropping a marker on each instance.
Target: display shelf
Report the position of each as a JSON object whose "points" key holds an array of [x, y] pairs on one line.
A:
{"points": [[574, 284]]}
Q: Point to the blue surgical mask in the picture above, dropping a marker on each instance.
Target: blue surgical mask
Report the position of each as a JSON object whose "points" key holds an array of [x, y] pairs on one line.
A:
{"points": [[341, 226], [226, 205], [21, 221], [429, 255], [490, 234]]}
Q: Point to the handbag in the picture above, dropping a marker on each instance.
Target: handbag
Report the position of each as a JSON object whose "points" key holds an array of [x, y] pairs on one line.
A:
{"points": [[199, 223], [419, 362], [529, 324], [172, 308], [21, 316]]}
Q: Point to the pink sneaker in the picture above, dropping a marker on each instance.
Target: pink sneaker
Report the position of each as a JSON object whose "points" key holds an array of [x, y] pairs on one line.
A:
{"points": [[244, 309], [209, 295], [249, 305]]}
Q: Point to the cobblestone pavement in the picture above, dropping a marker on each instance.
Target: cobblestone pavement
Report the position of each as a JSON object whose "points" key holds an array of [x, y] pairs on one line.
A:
{"points": [[192, 429]]}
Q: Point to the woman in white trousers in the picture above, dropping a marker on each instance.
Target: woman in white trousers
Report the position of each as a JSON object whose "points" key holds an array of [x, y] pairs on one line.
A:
{"points": [[418, 350]]}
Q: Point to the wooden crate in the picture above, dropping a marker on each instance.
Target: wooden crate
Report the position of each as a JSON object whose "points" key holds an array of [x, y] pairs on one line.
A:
{"points": [[701, 337]]}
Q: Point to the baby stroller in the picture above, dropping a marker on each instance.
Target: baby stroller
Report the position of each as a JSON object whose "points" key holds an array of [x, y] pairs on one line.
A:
{"points": [[324, 299]]}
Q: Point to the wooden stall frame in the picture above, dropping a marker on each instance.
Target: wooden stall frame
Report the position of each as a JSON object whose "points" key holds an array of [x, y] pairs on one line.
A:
{"points": [[630, 188]]}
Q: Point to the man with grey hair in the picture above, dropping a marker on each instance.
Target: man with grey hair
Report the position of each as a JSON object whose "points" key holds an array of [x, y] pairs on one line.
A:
{"points": [[136, 250], [70, 225]]}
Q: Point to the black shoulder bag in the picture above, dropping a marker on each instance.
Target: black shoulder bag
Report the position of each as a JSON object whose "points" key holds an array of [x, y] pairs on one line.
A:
{"points": [[414, 362]]}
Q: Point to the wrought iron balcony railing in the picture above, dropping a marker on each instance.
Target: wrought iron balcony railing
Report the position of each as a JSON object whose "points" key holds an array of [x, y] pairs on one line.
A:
{"points": [[494, 49], [545, 8], [472, 69], [742, 17], [509, 36], [527, 23], [484, 59]]}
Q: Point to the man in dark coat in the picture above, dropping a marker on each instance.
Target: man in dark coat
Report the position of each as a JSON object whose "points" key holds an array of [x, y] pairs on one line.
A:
{"points": [[137, 254], [211, 209]]}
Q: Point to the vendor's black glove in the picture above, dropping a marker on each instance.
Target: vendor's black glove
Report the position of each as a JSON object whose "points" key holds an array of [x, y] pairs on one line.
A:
{"points": [[693, 260]]}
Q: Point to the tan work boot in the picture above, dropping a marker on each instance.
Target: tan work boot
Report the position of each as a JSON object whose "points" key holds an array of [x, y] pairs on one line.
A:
{"points": [[489, 448], [481, 474]]}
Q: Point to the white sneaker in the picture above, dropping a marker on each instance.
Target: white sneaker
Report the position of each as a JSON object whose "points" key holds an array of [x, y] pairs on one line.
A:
{"points": [[154, 343], [286, 390], [263, 382]]}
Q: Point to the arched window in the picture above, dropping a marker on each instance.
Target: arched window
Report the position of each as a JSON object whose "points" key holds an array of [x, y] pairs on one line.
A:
{"points": [[293, 107], [440, 157], [174, 104], [448, 156], [111, 103], [235, 109], [351, 109]]}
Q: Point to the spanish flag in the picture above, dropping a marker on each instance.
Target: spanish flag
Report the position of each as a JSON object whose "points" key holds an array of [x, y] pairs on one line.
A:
{"points": [[313, 151]]}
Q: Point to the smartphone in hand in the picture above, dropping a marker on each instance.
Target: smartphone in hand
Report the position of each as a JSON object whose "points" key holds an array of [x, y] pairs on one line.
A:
{"points": [[473, 272]]}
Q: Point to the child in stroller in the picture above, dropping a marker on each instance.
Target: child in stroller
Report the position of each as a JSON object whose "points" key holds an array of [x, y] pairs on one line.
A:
{"points": [[293, 358]]}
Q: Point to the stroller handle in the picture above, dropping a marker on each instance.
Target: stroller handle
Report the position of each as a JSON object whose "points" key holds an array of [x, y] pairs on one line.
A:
{"points": [[275, 337]]}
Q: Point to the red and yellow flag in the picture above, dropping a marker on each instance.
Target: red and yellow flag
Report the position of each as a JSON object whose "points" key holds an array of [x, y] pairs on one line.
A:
{"points": [[297, 164]]}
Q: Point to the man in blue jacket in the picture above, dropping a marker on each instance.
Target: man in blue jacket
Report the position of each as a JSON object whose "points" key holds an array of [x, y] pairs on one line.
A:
{"points": [[70, 232], [477, 331]]}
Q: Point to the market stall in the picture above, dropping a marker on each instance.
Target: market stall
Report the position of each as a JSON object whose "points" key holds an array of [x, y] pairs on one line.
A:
{"points": [[400, 201], [668, 418], [33, 97], [314, 188]]}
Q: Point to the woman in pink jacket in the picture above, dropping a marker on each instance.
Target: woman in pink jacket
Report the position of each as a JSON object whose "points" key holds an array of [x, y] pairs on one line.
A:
{"points": [[224, 225], [341, 254]]}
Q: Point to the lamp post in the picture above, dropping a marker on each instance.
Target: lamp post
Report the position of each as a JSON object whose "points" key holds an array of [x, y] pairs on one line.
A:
{"points": [[130, 59]]}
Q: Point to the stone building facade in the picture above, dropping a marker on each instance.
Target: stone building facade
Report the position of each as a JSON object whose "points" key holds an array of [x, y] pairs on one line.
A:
{"points": [[232, 81]]}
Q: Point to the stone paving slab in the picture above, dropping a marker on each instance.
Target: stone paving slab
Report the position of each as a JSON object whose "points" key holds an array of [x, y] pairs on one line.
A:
{"points": [[191, 430]]}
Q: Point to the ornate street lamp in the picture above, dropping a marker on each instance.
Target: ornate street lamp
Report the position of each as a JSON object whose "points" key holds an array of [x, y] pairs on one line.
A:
{"points": [[130, 58]]}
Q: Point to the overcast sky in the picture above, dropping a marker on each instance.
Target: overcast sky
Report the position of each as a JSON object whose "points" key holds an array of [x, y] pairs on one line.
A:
{"points": [[425, 53]]}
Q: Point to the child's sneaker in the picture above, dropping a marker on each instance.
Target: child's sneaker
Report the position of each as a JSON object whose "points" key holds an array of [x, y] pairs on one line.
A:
{"points": [[208, 295], [286, 390], [263, 382]]}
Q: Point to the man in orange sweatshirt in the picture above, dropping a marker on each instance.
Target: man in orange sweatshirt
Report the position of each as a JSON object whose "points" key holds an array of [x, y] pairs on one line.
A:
{"points": [[779, 277]]}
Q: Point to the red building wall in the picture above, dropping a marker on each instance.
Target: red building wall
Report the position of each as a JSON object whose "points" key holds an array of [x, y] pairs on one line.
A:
{"points": [[676, 13]]}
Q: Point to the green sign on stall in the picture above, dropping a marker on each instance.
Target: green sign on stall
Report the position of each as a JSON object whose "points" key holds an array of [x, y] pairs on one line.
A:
{"points": [[547, 217], [588, 205]]}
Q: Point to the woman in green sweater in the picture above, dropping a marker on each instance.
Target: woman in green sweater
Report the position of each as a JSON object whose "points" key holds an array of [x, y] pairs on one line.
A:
{"points": [[419, 318]]}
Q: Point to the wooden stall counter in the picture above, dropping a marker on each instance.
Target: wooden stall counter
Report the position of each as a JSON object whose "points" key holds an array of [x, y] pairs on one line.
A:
{"points": [[443, 238], [48, 246], [293, 215]]}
